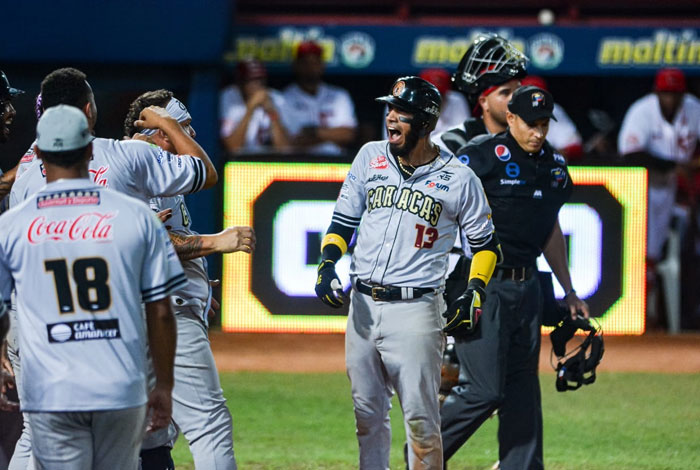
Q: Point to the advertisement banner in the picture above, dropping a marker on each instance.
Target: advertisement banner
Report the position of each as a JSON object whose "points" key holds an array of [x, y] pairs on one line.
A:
{"points": [[290, 206], [396, 50]]}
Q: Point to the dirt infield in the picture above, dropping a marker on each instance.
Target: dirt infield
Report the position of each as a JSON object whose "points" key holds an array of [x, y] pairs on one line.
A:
{"points": [[325, 353]]}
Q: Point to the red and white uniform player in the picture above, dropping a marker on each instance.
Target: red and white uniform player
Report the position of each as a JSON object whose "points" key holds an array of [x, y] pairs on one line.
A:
{"points": [[646, 130]]}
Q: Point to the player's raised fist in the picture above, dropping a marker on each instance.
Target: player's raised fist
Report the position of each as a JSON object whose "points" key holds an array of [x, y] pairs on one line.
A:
{"points": [[463, 314], [328, 287]]}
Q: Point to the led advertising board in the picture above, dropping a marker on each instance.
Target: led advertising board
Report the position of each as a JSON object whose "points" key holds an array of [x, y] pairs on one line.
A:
{"points": [[290, 206]]}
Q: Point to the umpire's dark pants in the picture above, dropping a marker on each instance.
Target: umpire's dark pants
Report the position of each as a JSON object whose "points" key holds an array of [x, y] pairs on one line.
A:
{"points": [[498, 369]]}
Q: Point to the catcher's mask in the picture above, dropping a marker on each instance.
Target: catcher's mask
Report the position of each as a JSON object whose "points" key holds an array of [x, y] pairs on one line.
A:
{"points": [[491, 60], [6, 90], [577, 367], [419, 97]]}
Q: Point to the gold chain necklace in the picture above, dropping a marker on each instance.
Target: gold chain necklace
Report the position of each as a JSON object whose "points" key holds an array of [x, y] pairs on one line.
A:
{"points": [[413, 168]]}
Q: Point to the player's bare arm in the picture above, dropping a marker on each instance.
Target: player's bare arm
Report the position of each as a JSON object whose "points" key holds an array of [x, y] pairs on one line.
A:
{"points": [[155, 117], [6, 182], [229, 240], [555, 254], [161, 340]]}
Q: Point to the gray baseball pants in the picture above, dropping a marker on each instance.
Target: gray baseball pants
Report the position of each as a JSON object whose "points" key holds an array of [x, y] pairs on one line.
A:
{"points": [[199, 406], [97, 440], [396, 346]]}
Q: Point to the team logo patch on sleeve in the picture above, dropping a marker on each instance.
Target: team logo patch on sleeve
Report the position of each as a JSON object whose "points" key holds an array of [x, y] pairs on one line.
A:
{"points": [[560, 177], [83, 330], [28, 157], [379, 163], [502, 152], [68, 198]]}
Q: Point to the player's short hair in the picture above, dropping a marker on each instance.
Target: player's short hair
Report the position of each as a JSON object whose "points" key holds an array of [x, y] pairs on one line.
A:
{"points": [[150, 98], [65, 86], [66, 159]]}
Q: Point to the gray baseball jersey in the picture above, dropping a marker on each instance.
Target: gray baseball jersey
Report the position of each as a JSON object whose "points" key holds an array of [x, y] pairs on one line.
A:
{"points": [[196, 293], [409, 226], [92, 255], [199, 406], [131, 167]]}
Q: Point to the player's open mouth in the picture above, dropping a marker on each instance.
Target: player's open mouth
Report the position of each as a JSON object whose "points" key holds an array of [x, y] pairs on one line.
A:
{"points": [[394, 134]]}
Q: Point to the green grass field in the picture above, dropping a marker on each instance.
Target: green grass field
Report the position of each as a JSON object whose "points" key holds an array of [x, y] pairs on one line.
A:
{"points": [[625, 421]]}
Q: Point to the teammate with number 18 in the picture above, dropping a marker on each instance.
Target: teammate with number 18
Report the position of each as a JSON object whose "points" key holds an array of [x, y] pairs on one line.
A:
{"points": [[93, 255], [408, 200]]}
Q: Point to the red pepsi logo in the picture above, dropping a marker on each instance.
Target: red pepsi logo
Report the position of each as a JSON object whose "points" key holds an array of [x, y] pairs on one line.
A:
{"points": [[502, 152]]}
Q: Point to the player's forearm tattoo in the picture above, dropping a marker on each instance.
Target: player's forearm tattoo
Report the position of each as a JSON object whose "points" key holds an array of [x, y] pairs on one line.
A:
{"points": [[187, 246]]}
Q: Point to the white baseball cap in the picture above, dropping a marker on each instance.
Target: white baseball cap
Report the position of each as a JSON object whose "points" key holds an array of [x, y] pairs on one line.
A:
{"points": [[62, 128]]}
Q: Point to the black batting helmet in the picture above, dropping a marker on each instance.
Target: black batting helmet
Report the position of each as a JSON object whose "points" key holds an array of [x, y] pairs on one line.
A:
{"points": [[418, 97], [490, 61], [6, 91]]}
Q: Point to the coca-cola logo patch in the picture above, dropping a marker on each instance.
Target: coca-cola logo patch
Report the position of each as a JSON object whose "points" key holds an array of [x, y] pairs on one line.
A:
{"points": [[68, 198], [379, 163], [98, 175], [88, 226]]}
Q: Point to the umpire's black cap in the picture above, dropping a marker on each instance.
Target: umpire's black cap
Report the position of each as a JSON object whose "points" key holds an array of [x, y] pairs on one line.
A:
{"points": [[6, 91], [532, 103]]}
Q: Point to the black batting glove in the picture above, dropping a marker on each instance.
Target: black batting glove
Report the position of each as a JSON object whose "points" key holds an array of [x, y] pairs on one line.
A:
{"points": [[463, 314], [328, 287]]}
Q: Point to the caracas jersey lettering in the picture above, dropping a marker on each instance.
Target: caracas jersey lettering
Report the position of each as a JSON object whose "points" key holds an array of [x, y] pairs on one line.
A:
{"points": [[413, 201]]}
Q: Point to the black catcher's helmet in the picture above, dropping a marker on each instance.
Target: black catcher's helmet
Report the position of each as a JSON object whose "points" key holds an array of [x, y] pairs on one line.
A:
{"points": [[490, 60], [418, 97], [6, 91]]}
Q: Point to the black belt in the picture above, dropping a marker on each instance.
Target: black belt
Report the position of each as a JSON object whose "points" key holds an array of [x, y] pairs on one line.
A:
{"points": [[522, 273], [389, 294]]}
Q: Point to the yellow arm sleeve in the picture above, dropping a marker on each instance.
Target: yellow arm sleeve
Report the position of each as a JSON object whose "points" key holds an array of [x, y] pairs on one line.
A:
{"points": [[483, 264], [335, 239]]}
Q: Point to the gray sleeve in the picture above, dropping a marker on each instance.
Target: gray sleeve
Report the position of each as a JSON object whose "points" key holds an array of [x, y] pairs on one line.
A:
{"points": [[475, 215]]}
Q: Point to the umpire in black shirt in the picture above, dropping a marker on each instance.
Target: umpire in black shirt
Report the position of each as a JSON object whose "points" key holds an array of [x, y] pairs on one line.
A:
{"points": [[526, 183]]}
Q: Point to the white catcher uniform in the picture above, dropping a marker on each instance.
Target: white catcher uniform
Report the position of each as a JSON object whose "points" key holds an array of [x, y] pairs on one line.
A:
{"points": [[644, 129], [82, 258], [199, 406], [406, 228], [331, 106], [132, 167]]}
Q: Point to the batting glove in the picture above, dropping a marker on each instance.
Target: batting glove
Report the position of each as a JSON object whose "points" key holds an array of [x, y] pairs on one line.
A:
{"points": [[328, 286], [463, 314]]}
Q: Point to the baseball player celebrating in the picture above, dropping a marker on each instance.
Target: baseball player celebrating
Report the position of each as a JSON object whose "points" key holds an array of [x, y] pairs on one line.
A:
{"points": [[84, 348], [131, 167], [199, 406], [407, 199]]}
